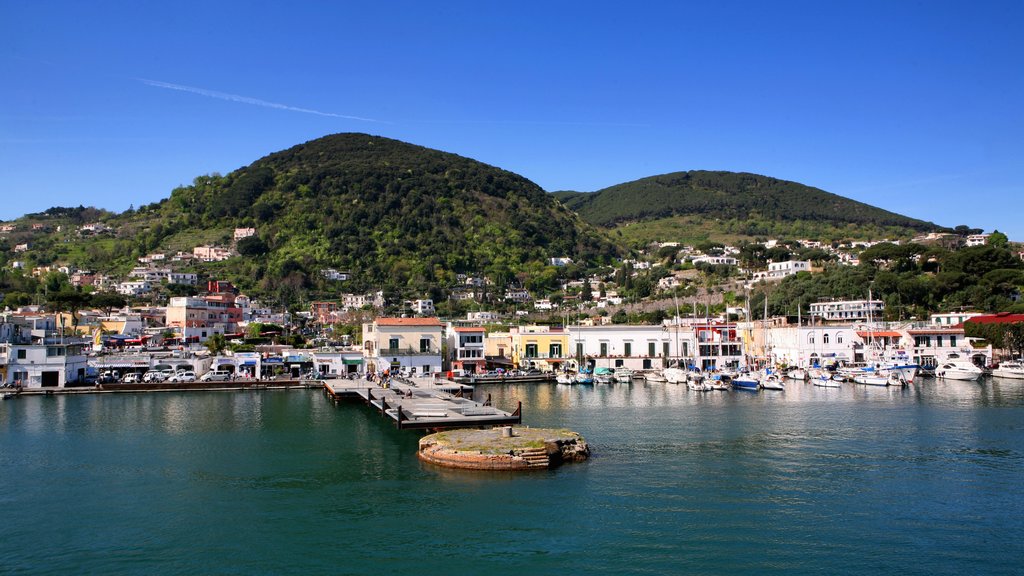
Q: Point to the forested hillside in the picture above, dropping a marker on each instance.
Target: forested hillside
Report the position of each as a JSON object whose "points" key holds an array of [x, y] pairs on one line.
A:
{"points": [[727, 196]]}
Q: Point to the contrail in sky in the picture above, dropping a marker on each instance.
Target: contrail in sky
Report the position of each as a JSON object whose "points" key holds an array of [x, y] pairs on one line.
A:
{"points": [[247, 100]]}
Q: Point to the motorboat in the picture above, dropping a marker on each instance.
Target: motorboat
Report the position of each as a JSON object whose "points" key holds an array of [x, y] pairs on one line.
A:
{"points": [[958, 370], [1012, 369], [675, 375], [797, 374], [655, 376], [880, 379], [623, 375], [604, 375], [825, 381], [746, 381], [772, 382], [564, 378]]}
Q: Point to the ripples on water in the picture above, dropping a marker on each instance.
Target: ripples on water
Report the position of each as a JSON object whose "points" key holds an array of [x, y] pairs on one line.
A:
{"points": [[858, 480]]}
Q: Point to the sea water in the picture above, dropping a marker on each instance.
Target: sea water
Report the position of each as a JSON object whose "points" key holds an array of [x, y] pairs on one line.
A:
{"points": [[855, 480]]}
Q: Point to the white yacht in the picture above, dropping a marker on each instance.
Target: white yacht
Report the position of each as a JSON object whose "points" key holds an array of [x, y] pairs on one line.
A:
{"points": [[958, 370], [1013, 369]]}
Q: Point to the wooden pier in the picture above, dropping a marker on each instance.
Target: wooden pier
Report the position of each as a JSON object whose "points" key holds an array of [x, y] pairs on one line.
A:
{"points": [[434, 406]]}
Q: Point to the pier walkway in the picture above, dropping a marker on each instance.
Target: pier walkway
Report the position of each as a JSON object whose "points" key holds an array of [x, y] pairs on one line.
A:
{"points": [[424, 405]]}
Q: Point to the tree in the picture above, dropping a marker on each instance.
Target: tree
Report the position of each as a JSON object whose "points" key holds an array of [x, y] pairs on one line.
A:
{"points": [[998, 239], [216, 344], [70, 301], [587, 294], [107, 301]]}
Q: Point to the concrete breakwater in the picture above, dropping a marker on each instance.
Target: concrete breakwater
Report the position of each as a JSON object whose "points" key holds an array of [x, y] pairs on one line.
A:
{"points": [[503, 448]]}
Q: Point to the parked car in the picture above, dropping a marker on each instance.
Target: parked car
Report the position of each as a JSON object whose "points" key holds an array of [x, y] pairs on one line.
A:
{"points": [[131, 378], [154, 376], [216, 376], [183, 376]]}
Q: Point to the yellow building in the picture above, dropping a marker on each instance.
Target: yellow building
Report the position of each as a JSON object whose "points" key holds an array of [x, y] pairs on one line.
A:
{"points": [[540, 347]]}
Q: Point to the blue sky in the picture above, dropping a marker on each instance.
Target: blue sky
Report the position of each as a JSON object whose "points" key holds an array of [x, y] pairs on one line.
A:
{"points": [[916, 107]]}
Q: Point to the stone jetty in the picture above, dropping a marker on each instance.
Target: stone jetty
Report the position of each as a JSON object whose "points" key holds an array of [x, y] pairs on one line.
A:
{"points": [[503, 448]]}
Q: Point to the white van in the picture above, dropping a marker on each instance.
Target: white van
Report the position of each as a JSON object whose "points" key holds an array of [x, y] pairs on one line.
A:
{"points": [[216, 376]]}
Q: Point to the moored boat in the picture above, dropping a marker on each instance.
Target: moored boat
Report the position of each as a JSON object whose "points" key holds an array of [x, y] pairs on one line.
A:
{"points": [[1012, 369], [623, 375], [958, 370], [746, 381]]}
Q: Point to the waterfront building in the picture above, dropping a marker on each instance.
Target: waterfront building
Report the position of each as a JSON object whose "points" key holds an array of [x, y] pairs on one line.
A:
{"points": [[635, 347], [540, 347], [34, 354], [413, 344], [804, 346], [952, 318], [198, 318], [466, 346], [498, 350], [337, 362]]}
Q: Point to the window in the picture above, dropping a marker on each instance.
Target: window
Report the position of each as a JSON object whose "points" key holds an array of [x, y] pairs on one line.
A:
{"points": [[664, 349], [531, 351], [628, 348], [647, 363], [579, 349], [424, 344], [824, 338], [839, 338], [810, 338], [426, 368], [618, 363], [392, 343], [650, 349], [604, 348], [686, 348], [555, 350], [952, 341]]}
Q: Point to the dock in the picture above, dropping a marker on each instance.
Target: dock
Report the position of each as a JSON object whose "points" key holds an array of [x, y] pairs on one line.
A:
{"points": [[441, 405]]}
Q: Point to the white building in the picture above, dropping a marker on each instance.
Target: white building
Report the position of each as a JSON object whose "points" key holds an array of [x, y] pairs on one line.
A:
{"points": [[779, 270], [187, 278], [34, 355], [848, 310], [334, 275], [636, 347], [976, 240], [951, 318], [244, 233], [423, 307], [211, 253], [564, 261], [411, 344], [715, 260], [136, 288]]}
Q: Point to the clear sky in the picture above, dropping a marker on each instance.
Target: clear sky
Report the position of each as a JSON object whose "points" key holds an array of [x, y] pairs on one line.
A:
{"points": [[916, 107]]}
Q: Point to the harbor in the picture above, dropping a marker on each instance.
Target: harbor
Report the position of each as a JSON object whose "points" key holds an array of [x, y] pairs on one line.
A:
{"points": [[679, 481]]}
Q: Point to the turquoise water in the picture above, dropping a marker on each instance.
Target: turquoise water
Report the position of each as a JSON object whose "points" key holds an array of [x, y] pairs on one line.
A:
{"points": [[858, 480]]}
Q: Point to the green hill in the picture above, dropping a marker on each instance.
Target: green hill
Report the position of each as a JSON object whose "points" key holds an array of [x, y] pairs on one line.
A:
{"points": [[391, 213], [726, 196]]}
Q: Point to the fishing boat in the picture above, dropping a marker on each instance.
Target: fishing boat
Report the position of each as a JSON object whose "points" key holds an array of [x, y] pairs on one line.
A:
{"points": [[1012, 369], [958, 370]]}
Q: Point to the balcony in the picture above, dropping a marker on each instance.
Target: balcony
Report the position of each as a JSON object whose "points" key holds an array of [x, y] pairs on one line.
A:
{"points": [[408, 352]]}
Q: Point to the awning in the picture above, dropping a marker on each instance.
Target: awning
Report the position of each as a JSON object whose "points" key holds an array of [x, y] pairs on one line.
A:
{"points": [[884, 334], [351, 361], [248, 363]]}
